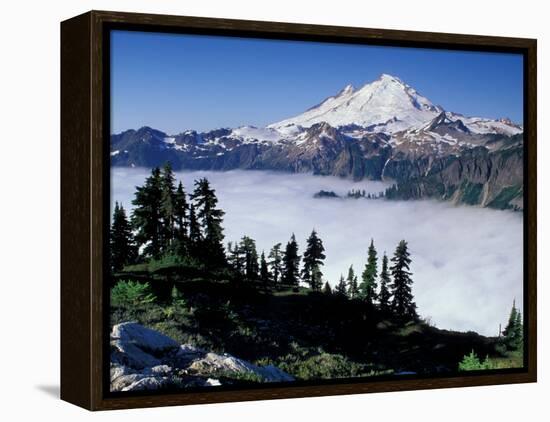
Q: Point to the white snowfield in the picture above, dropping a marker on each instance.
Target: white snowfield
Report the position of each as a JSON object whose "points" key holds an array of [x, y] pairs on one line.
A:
{"points": [[388, 100], [386, 105], [252, 133]]}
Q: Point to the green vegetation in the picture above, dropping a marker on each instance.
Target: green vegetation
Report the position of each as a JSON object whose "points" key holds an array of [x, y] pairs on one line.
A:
{"points": [[403, 304], [509, 347], [471, 192], [367, 288], [353, 286], [505, 196], [472, 363], [121, 240], [171, 272], [313, 260], [512, 336], [385, 295], [291, 263], [131, 293]]}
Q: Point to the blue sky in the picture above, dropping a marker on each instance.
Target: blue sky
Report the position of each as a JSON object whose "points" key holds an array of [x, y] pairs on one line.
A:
{"points": [[177, 82]]}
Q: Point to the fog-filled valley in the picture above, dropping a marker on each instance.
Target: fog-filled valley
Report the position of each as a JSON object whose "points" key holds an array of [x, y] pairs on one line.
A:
{"points": [[466, 260]]}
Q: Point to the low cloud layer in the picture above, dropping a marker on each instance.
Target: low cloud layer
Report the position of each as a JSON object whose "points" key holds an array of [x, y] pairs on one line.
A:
{"points": [[467, 261]]}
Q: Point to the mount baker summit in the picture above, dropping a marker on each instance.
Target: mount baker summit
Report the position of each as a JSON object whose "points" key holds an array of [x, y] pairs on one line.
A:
{"points": [[384, 130]]}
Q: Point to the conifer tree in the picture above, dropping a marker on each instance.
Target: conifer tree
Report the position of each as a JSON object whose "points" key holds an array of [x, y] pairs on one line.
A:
{"points": [[181, 209], [265, 275], [367, 288], [195, 235], [513, 333], [403, 302], [211, 219], [250, 257], [385, 281], [353, 287], [313, 260], [235, 257], [146, 217], [167, 207], [291, 263], [340, 288], [327, 289], [275, 262], [122, 248]]}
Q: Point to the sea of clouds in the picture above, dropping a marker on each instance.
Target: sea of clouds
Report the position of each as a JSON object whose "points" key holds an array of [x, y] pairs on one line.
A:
{"points": [[467, 261]]}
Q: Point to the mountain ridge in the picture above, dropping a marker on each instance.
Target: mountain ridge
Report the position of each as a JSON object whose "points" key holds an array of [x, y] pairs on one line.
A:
{"points": [[401, 136]]}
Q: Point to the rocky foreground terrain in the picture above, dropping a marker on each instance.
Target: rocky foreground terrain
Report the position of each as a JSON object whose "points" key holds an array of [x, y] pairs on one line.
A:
{"points": [[144, 359]]}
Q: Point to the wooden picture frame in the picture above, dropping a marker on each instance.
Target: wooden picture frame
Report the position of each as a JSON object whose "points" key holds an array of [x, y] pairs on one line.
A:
{"points": [[85, 197]]}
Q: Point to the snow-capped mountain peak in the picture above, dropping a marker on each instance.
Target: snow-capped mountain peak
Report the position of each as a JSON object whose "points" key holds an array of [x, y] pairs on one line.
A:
{"points": [[387, 101]]}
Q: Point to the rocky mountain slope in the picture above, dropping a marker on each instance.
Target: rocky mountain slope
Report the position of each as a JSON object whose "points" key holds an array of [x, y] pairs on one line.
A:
{"points": [[385, 130]]}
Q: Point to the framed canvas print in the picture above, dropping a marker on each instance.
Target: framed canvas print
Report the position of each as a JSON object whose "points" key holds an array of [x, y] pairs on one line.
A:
{"points": [[258, 210]]}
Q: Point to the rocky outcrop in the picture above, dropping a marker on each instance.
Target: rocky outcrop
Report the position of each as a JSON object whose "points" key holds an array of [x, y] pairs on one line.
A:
{"points": [[476, 177], [144, 359]]}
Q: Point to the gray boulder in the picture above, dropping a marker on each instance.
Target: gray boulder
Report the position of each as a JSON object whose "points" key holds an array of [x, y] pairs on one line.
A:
{"points": [[144, 359]]}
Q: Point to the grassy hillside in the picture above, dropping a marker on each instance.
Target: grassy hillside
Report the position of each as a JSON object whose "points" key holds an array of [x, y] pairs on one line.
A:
{"points": [[308, 334]]}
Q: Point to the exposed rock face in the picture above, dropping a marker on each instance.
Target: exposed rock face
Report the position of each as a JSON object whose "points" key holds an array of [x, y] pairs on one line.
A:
{"points": [[476, 177], [144, 359]]}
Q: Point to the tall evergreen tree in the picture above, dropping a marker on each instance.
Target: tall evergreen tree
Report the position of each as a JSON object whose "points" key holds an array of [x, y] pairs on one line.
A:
{"points": [[181, 210], [265, 275], [313, 260], [275, 262], [195, 235], [403, 301], [235, 257], [367, 288], [327, 289], [122, 248], [385, 281], [353, 287], [341, 288], [146, 217], [513, 333], [211, 219], [291, 263], [250, 257], [167, 207]]}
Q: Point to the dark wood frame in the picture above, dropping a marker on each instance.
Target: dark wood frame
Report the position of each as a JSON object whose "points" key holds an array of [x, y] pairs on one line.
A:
{"points": [[84, 155]]}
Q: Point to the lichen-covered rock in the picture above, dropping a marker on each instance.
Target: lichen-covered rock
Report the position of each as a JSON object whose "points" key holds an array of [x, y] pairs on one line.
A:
{"points": [[144, 359], [213, 363]]}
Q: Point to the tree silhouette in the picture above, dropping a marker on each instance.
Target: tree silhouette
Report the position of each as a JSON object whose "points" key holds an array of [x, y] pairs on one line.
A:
{"points": [[385, 281], [513, 333], [313, 260], [122, 248], [146, 217], [167, 207], [250, 257], [211, 219], [403, 304], [275, 262], [341, 288], [367, 288], [351, 280], [291, 263]]}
